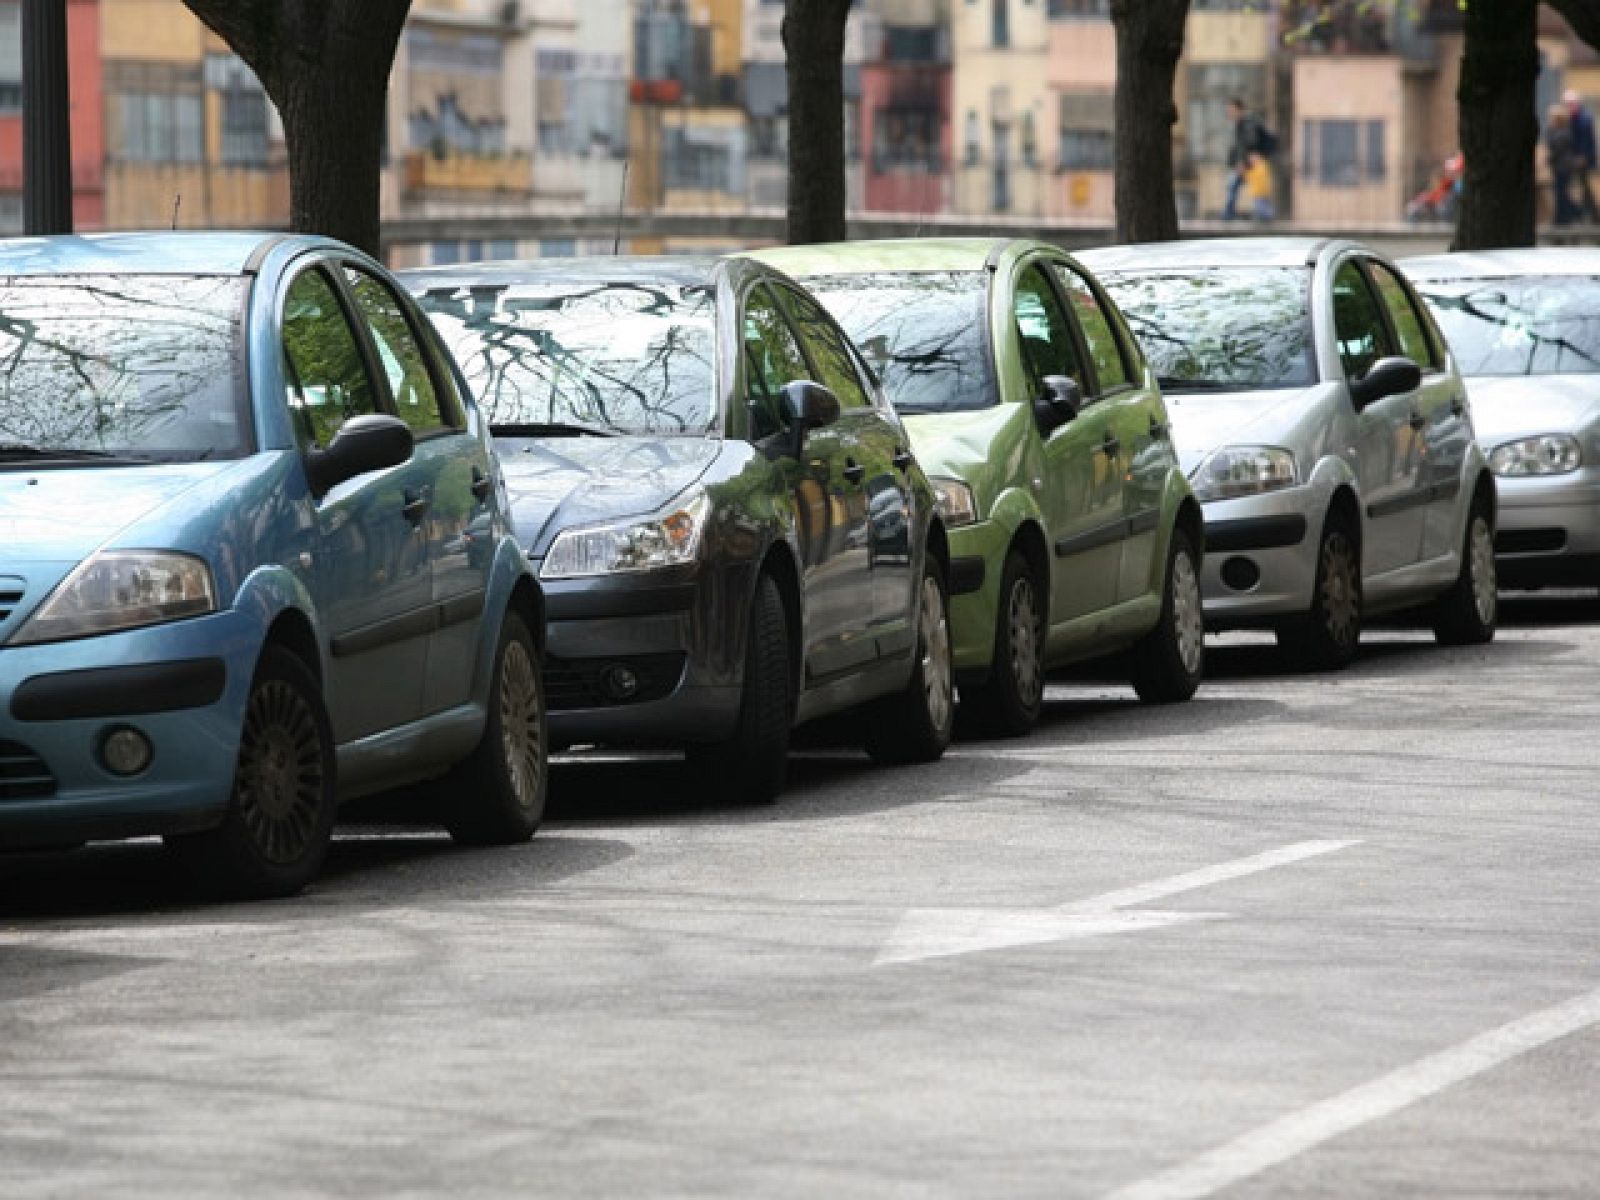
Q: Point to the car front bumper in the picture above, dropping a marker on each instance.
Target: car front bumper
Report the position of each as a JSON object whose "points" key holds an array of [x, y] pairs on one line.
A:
{"points": [[977, 558], [1548, 530], [1261, 556], [183, 686]]}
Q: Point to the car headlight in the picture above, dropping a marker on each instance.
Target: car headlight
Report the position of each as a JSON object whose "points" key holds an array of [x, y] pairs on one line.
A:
{"points": [[122, 589], [638, 544], [1547, 454], [1244, 471], [955, 501]]}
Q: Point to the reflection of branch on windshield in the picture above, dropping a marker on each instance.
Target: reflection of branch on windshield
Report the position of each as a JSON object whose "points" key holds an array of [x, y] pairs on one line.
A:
{"points": [[1478, 305]]}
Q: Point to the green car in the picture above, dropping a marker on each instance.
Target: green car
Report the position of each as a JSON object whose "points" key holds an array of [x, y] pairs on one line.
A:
{"points": [[1073, 533]]}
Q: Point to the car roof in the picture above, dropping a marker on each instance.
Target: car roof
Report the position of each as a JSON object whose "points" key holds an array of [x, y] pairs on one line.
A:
{"points": [[893, 254], [163, 253], [1499, 264], [1208, 252], [683, 270]]}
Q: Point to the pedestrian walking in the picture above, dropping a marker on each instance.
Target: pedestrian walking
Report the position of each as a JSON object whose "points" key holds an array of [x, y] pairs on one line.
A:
{"points": [[1581, 121], [1559, 152], [1258, 185], [1250, 137]]}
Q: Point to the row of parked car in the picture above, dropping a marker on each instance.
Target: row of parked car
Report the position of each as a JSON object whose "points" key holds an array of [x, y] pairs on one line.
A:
{"points": [[279, 529]]}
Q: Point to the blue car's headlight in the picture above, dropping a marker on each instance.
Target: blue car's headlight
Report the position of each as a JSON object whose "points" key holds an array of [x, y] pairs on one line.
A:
{"points": [[122, 589], [638, 544]]}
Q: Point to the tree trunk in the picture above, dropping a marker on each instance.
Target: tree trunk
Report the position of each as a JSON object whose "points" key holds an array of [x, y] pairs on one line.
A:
{"points": [[325, 65], [1149, 44], [1499, 131], [813, 43]]}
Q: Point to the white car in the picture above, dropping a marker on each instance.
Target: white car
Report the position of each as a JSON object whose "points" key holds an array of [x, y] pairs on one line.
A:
{"points": [[1525, 328], [1325, 430]]}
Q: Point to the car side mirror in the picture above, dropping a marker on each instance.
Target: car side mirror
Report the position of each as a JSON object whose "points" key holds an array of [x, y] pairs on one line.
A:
{"points": [[366, 443], [807, 406], [1393, 376], [1058, 404]]}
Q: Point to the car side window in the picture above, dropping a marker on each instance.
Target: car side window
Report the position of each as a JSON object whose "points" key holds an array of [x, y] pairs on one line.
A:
{"points": [[1042, 328], [829, 351], [1105, 347], [326, 376], [772, 358], [1357, 321], [416, 401], [1409, 330]]}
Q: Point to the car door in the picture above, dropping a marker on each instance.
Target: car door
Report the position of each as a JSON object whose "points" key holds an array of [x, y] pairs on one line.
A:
{"points": [[883, 458], [1138, 420], [368, 571], [1389, 432], [828, 495], [450, 472], [1081, 493], [1442, 401]]}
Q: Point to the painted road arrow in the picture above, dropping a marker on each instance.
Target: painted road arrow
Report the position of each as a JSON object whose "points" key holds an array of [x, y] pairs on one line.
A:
{"points": [[943, 932]]}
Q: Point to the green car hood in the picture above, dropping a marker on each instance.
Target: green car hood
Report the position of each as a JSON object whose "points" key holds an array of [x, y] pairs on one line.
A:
{"points": [[984, 447]]}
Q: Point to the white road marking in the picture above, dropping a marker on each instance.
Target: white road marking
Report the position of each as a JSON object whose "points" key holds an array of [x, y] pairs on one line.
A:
{"points": [[942, 932], [1283, 1139]]}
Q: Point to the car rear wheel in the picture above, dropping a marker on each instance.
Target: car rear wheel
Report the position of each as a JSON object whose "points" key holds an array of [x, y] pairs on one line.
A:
{"points": [[750, 767], [275, 836], [1466, 615], [496, 796], [1329, 634], [1167, 664], [1007, 703], [915, 724]]}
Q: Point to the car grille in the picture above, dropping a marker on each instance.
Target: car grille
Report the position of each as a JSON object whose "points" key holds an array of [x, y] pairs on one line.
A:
{"points": [[582, 682], [1530, 541], [23, 774], [11, 589]]}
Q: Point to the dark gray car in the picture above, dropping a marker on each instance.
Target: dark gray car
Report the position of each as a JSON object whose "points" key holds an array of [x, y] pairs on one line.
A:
{"points": [[731, 532]]}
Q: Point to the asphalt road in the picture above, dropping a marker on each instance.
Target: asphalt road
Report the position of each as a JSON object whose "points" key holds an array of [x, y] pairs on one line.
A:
{"points": [[1301, 937]]}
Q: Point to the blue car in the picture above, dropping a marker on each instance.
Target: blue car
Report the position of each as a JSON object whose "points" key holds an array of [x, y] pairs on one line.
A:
{"points": [[254, 559]]}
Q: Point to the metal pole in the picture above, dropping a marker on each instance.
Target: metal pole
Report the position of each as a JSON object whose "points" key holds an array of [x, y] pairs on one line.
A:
{"points": [[46, 119]]}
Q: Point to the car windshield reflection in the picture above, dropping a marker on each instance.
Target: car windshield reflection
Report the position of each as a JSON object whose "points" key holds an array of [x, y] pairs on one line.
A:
{"points": [[1539, 325]]}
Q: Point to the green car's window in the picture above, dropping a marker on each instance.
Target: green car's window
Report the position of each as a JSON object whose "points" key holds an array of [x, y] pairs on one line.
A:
{"points": [[1533, 325], [828, 350], [327, 378], [1408, 323], [1042, 328], [1357, 322], [410, 384], [772, 358], [1105, 347]]}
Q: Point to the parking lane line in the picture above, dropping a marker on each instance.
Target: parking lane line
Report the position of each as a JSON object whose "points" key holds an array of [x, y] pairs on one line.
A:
{"points": [[1160, 889], [1283, 1139]]}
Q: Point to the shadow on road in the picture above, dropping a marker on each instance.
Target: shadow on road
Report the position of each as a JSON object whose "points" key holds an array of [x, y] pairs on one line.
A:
{"points": [[1527, 609]]}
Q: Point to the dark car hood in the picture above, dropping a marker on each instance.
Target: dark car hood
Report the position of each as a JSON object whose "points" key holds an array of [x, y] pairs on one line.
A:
{"points": [[560, 482]]}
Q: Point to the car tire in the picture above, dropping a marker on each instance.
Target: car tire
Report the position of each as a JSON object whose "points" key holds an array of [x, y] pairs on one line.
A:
{"points": [[750, 767], [279, 821], [1168, 663], [1007, 704], [496, 795], [1328, 636], [1467, 614], [914, 725]]}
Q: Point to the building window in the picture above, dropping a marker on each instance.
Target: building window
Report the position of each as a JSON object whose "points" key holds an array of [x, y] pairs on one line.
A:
{"points": [[160, 127], [10, 57], [1087, 123], [905, 139], [1086, 149], [1030, 143], [974, 150], [1341, 153], [1002, 23], [1208, 129], [449, 130], [455, 54], [244, 128], [1097, 9], [705, 159]]}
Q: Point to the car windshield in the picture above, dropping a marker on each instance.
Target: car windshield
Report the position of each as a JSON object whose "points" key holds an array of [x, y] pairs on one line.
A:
{"points": [[1221, 328], [1533, 325], [611, 358], [923, 333], [136, 367]]}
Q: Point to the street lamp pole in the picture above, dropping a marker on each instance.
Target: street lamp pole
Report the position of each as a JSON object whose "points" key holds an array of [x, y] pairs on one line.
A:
{"points": [[46, 119]]}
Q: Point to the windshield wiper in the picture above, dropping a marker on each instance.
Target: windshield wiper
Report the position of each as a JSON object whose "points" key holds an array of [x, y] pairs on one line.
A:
{"points": [[552, 429], [1171, 383], [22, 452]]}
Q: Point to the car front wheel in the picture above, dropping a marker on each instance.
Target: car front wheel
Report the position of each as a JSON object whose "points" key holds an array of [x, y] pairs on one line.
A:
{"points": [[1007, 704], [1328, 635], [1466, 615], [1168, 662], [914, 725]]}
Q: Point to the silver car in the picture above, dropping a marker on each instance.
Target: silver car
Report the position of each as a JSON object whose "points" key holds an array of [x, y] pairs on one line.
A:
{"points": [[1525, 329], [1323, 426]]}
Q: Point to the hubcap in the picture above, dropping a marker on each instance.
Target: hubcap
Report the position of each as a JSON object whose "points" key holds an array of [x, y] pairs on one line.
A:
{"points": [[937, 677], [1341, 592], [1485, 586], [1188, 618], [521, 730], [280, 789], [1022, 621]]}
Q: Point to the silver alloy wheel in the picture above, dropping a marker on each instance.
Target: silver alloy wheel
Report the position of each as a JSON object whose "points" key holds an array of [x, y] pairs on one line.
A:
{"points": [[1341, 604], [1022, 619], [937, 676], [1485, 586], [280, 787], [1188, 615], [521, 724]]}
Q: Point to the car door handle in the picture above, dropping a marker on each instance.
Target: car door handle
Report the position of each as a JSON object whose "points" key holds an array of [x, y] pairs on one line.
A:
{"points": [[1417, 420], [1458, 407], [1111, 447], [1158, 431], [902, 458], [854, 471], [416, 504], [482, 484]]}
